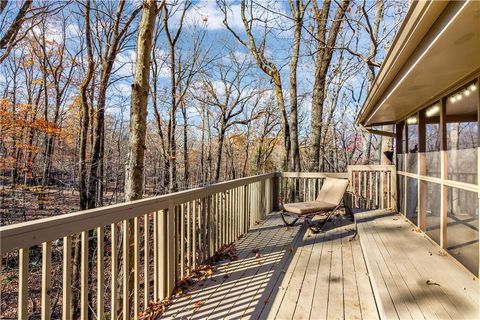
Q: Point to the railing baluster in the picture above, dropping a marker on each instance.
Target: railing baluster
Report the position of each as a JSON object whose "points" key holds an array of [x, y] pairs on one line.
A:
{"points": [[156, 257], [67, 279], [126, 271], [232, 214], [136, 267], [84, 277], [189, 245], [114, 276], [204, 229], [182, 241], [306, 189], [194, 234], [146, 260], [162, 255], [100, 273], [23, 255], [171, 256], [382, 188], [46, 279], [238, 216]]}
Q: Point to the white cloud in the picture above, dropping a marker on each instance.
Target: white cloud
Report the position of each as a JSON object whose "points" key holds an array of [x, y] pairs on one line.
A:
{"points": [[73, 31], [207, 12]]}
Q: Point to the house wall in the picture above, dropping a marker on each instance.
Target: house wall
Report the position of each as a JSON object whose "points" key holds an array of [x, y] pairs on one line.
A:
{"points": [[438, 165]]}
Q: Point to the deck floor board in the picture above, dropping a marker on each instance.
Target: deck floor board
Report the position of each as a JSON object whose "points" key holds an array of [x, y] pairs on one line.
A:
{"points": [[297, 275]]}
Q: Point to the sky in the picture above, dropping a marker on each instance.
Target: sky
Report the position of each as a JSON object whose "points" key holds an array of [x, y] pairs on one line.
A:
{"points": [[204, 16]]}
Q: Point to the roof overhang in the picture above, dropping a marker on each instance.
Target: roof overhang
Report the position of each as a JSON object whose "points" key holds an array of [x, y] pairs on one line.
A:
{"points": [[436, 48]]}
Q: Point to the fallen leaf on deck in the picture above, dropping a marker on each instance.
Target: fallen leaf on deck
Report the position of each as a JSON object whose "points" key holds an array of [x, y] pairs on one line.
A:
{"points": [[442, 253], [430, 282]]}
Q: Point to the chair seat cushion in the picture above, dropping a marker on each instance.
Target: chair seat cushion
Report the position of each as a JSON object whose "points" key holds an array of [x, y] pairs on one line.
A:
{"points": [[308, 207]]}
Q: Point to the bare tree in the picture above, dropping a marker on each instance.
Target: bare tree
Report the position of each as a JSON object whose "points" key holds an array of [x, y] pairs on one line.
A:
{"points": [[85, 110], [230, 97], [258, 50], [323, 56], [114, 36], [138, 109], [171, 141]]}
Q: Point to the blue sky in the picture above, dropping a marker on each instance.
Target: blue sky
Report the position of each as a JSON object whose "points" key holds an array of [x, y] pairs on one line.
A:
{"points": [[205, 16]]}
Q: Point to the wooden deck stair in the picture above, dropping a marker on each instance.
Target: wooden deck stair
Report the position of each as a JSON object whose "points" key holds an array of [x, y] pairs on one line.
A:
{"points": [[316, 276]]}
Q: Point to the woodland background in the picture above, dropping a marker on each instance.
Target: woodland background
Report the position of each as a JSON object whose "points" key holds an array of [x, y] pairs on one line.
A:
{"points": [[233, 89]]}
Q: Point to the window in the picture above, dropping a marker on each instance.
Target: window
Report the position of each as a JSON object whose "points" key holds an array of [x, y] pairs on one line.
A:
{"points": [[412, 145], [462, 134], [432, 140], [462, 227]]}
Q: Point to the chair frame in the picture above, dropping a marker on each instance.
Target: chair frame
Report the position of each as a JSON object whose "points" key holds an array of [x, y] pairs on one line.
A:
{"points": [[308, 217]]}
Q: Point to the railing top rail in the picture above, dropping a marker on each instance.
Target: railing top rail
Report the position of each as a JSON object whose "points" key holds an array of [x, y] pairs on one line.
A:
{"points": [[342, 175], [31, 233], [372, 167]]}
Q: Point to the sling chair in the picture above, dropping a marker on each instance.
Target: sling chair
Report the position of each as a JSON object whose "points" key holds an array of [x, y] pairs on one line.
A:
{"points": [[332, 197]]}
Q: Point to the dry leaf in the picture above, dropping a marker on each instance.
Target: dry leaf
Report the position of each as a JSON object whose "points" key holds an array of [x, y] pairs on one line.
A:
{"points": [[430, 282]]}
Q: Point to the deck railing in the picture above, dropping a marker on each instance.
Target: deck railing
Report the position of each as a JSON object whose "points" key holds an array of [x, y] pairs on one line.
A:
{"points": [[372, 186], [140, 249]]}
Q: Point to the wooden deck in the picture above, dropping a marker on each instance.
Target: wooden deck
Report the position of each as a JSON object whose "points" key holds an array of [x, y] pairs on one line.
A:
{"points": [[401, 260], [383, 273]]}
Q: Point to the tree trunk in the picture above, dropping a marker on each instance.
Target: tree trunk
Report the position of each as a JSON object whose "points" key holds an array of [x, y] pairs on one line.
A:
{"points": [[85, 113], [138, 115], [372, 53], [295, 149], [138, 109], [185, 147], [323, 58], [218, 154]]}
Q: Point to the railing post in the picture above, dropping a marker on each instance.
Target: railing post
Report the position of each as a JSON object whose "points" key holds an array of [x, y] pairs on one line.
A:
{"points": [[351, 184], [393, 188]]}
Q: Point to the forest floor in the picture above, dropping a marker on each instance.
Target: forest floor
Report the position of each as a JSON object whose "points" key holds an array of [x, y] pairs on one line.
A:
{"points": [[26, 203], [21, 204]]}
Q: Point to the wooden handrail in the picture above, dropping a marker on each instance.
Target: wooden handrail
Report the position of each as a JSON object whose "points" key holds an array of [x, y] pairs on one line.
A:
{"points": [[343, 175], [31, 233]]}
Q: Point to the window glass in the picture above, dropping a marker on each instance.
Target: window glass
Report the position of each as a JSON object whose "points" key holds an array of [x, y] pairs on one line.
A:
{"points": [[401, 193], [400, 156], [462, 227], [462, 134], [432, 206], [432, 140], [412, 145], [412, 199]]}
